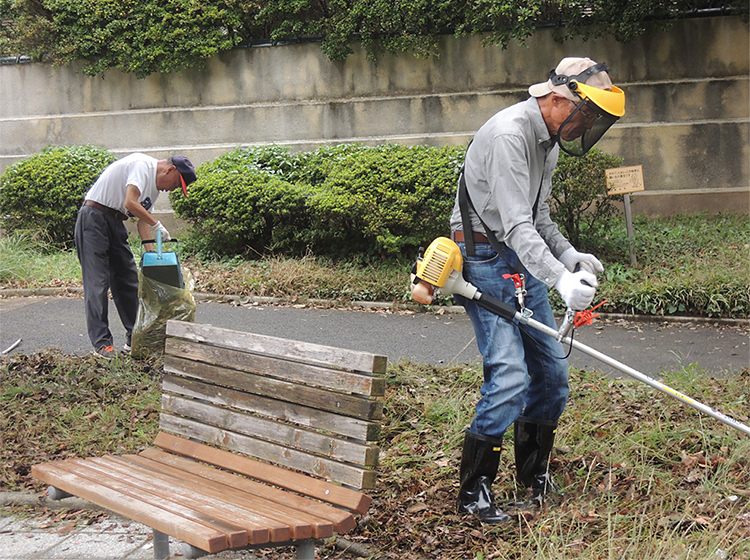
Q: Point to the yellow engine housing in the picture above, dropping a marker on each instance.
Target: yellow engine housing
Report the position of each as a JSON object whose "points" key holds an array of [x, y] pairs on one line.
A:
{"points": [[440, 259]]}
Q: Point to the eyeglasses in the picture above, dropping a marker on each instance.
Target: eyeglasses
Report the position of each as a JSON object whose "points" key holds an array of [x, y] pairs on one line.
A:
{"points": [[588, 114]]}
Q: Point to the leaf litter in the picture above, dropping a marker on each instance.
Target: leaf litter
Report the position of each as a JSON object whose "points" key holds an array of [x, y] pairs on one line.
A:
{"points": [[643, 476]]}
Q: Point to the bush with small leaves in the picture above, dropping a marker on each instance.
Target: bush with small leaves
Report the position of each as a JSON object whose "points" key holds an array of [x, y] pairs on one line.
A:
{"points": [[44, 192]]}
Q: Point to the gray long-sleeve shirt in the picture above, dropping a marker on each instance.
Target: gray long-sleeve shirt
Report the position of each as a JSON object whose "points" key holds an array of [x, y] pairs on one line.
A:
{"points": [[511, 158]]}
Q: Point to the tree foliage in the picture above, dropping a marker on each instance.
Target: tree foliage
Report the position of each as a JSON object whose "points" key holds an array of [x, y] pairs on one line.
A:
{"points": [[163, 36]]}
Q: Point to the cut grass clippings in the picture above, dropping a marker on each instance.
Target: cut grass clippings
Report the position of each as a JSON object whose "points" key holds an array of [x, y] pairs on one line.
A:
{"points": [[644, 476]]}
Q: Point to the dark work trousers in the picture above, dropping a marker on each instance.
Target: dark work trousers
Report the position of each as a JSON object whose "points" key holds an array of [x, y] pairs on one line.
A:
{"points": [[107, 264]]}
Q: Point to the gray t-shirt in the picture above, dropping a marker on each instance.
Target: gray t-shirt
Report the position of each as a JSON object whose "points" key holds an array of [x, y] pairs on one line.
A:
{"points": [[509, 166]]}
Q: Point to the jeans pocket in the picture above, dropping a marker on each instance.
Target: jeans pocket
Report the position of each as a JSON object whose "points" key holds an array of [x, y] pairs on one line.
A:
{"points": [[483, 254]]}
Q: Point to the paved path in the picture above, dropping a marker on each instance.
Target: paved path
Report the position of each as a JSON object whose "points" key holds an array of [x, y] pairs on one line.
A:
{"points": [[649, 347]]}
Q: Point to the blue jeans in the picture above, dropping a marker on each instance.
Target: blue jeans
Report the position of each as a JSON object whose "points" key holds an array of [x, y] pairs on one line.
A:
{"points": [[525, 373]]}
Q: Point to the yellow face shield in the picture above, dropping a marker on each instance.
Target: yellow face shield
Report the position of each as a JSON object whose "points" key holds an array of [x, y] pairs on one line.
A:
{"points": [[597, 110]]}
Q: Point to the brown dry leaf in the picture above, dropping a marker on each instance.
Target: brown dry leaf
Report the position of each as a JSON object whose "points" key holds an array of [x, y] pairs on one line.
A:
{"points": [[69, 528], [416, 508]]}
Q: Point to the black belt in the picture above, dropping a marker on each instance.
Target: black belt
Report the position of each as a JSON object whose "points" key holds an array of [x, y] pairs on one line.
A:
{"points": [[458, 237], [116, 214]]}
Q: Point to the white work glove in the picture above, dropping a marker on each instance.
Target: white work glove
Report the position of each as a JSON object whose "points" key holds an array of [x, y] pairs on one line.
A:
{"points": [[572, 258], [577, 295], [157, 227]]}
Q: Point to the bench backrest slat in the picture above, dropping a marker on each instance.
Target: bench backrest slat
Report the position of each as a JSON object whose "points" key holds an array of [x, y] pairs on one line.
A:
{"points": [[315, 353], [355, 477], [342, 403], [286, 369], [354, 428], [307, 407], [310, 441]]}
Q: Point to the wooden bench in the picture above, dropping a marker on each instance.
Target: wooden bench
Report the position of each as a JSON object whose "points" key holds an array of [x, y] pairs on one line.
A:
{"points": [[263, 442]]}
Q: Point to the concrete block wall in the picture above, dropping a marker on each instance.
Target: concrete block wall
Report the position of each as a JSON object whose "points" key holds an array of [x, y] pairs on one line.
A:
{"points": [[687, 120]]}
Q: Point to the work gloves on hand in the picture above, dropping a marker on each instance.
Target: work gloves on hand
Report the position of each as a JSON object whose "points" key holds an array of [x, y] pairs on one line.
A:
{"points": [[575, 293], [157, 227], [573, 261]]}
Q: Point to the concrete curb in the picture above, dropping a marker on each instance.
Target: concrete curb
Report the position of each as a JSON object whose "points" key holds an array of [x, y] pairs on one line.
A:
{"points": [[34, 499], [392, 306]]}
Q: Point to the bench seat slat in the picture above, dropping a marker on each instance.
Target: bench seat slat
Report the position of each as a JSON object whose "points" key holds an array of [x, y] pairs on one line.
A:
{"points": [[252, 510], [304, 525], [198, 534], [280, 433], [341, 403], [350, 475], [282, 368], [189, 507], [328, 355], [361, 430], [342, 521], [281, 477], [196, 497]]}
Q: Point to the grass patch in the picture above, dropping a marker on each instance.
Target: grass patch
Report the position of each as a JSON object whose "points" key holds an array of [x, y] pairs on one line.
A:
{"points": [[643, 475], [688, 265], [26, 261], [308, 277]]}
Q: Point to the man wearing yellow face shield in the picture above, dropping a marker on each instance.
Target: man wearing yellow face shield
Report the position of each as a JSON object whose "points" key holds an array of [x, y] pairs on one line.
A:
{"points": [[502, 224]]}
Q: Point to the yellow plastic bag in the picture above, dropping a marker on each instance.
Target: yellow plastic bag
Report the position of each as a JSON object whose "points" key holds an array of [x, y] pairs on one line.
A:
{"points": [[157, 304]]}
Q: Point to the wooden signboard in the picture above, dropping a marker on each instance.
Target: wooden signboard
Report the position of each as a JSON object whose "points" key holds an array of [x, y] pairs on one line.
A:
{"points": [[624, 180]]}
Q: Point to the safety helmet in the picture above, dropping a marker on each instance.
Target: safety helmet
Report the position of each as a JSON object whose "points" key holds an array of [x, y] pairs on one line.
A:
{"points": [[600, 107]]}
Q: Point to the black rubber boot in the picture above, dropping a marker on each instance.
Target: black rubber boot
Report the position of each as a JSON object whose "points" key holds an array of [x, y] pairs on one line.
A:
{"points": [[479, 463], [533, 441]]}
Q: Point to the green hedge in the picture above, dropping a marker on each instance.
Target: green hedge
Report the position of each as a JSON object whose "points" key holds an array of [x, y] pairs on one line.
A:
{"points": [[43, 193], [337, 201]]}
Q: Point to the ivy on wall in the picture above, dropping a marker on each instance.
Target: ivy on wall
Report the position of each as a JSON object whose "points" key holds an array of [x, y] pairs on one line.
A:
{"points": [[144, 37]]}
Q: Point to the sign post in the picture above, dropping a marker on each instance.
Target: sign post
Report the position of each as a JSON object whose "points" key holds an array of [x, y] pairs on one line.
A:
{"points": [[625, 180]]}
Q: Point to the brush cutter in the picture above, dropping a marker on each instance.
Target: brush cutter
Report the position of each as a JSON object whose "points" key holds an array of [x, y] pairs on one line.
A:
{"points": [[439, 271]]}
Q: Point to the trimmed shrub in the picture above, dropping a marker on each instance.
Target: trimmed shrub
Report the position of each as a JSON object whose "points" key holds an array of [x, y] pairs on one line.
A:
{"points": [[386, 200], [243, 211], [336, 201], [44, 192]]}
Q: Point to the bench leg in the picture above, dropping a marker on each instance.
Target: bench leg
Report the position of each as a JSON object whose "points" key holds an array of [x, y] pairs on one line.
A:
{"points": [[189, 551], [54, 493], [161, 545], [306, 550]]}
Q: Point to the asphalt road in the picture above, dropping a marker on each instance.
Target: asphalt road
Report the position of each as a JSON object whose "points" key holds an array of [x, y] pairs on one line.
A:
{"points": [[649, 347]]}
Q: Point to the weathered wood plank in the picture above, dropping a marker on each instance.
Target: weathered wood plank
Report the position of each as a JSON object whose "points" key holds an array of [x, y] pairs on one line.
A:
{"points": [[350, 475], [304, 525], [342, 520], [198, 534], [284, 478], [328, 355], [272, 431], [341, 403], [280, 367], [354, 428], [188, 507], [231, 506]]}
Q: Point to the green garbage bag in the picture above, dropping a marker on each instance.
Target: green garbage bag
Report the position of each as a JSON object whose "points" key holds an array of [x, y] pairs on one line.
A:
{"points": [[157, 304]]}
